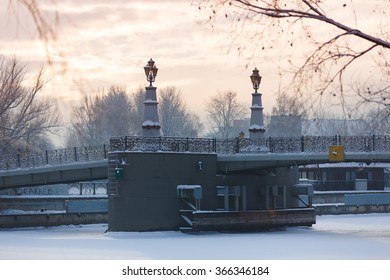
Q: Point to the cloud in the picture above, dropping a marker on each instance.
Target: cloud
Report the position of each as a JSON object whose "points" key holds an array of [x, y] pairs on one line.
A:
{"points": [[104, 43]]}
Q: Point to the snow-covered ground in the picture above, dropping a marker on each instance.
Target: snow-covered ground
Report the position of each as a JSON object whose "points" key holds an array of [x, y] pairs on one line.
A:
{"points": [[348, 237]]}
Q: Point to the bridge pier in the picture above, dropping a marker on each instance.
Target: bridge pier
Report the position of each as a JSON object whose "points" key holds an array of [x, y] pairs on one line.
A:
{"points": [[147, 196]]}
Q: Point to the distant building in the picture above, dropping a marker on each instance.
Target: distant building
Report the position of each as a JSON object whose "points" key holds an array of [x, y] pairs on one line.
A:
{"points": [[285, 126], [241, 126], [347, 176], [296, 126], [330, 127]]}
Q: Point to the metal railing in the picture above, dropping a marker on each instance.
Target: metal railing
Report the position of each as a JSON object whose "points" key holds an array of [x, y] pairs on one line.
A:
{"points": [[309, 144], [53, 157]]}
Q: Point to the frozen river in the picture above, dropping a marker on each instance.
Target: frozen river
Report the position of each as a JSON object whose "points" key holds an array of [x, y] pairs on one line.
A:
{"points": [[350, 237]]}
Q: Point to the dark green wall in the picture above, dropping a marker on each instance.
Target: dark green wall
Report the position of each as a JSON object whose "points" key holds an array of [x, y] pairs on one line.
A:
{"points": [[147, 192]]}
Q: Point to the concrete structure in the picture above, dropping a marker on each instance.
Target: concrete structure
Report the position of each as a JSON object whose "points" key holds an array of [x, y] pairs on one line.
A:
{"points": [[49, 220], [168, 191], [346, 176]]}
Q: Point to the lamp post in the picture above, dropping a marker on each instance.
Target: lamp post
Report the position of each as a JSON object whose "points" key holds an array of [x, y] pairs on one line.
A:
{"points": [[151, 124], [150, 72], [256, 128], [255, 79]]}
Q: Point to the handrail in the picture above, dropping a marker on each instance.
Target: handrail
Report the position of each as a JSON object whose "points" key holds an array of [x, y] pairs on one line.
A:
{"points": [[304, 144]]}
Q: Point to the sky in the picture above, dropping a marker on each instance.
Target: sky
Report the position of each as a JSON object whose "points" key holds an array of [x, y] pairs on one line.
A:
{"points": [[103, 43]]}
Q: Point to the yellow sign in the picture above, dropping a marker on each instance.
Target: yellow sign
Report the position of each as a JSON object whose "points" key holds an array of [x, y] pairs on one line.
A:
{"points": [[336, 153]]}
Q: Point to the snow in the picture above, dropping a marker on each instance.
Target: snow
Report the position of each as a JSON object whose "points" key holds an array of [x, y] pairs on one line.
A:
{"points": [[256, 106], [350, 237], [188, 187], [150, 123], [150, 101], [22, 212], [256, 126]]}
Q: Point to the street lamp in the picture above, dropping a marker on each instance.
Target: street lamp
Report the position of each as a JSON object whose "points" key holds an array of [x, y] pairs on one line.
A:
{"points": [[256, 79], [150, 72], [256, 127], [151, 124]]}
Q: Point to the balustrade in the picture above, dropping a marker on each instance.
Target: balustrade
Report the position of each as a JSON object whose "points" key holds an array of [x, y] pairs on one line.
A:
{"points": [[308, 144]]}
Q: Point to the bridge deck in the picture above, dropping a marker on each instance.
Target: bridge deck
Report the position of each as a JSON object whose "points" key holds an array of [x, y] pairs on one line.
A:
{"points": [[239, 162], [233, 155], [47, 175], [226, 163]]}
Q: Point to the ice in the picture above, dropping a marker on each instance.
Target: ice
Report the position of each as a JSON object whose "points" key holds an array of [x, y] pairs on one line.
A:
{"points": [[348, 237]]}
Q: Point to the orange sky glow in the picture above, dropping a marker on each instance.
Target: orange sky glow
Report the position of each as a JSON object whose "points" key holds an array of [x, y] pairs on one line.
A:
{"points": [[105, 43]]}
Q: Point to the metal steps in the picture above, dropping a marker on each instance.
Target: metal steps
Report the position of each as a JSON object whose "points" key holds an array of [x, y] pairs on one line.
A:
{"points": [[112, 187]]}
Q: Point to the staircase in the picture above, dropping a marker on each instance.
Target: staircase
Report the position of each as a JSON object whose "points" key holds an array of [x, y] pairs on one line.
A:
{"points": [[113, 185]]}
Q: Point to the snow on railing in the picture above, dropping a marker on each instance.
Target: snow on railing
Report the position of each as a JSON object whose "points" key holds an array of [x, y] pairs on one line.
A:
{"points": [[26, 159], [310, 144]]}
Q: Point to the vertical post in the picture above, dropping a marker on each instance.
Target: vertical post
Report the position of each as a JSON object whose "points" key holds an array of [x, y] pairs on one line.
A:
{"points": [[270, 144], [125, 143], [226, 198], [187, 144], [47, 156], [302, 144], [18, 158], [373, 143], [243, 197], [86, 153], [104, 151], [75, 154], [159, 143], [237, 148], [151, 124], [214, 145], [256, 127]]}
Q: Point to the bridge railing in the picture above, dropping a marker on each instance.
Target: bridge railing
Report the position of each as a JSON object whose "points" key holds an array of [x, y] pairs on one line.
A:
{"points": [[174, 144], [310, 144], [25, 159]]}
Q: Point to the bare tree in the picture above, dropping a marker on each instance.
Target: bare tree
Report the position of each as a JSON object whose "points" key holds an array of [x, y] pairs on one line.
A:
{"points": [[222, 110], [287, 105], [117, 113], [25, 117], [175, 119], [378, 121], [137, 99], [101, 116], [331, 47]]}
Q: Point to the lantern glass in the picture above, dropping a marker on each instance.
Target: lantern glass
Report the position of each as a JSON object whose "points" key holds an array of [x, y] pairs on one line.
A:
{"points": [[155, 70], [147, 70], [255, 79]]}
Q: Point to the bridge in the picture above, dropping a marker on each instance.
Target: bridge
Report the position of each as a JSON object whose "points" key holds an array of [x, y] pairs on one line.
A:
{"points": [[233, 155]]}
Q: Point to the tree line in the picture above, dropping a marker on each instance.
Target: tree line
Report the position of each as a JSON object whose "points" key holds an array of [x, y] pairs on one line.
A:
{"points": [[27, 119]]}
